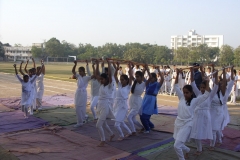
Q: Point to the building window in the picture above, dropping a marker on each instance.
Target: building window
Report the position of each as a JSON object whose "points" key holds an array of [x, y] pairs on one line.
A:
{"points": [[194, 39], [184, 39], [206, 39], [179, 43], [214, 39], [199, 39], [189, 36], [172, 39]]}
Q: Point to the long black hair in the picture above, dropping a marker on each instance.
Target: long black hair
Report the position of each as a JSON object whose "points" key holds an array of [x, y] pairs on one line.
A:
{"points": [[125, 77], [139, 73], [190, 89]]}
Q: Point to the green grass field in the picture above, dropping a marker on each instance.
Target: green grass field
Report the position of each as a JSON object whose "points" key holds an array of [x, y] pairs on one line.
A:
{"points": [[59, 71]]}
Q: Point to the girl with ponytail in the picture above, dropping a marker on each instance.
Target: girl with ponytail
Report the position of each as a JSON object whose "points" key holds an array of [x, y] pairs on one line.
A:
{"points": [[183, 122], [135, 101], [120, 106]]}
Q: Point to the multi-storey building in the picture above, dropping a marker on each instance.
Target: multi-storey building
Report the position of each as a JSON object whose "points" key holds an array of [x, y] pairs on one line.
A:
{"points": [[20, 53], [193, 40]]}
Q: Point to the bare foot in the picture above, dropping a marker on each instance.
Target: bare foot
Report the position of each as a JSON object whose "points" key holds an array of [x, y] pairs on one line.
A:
{"points": [[128, 135], [120, 138], [198, 153], [134, 133], [211, 148], [111, 137], [186, 155], [101, 144]]}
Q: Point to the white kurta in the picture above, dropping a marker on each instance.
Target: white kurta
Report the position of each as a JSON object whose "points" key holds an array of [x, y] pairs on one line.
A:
{"points": [[120, 107], [104, 102], [135, 100], [81, 92], [217, 109], [34, 85], [183, 122], [202, 126], [27, 96], [225, 107], [40, 86]]}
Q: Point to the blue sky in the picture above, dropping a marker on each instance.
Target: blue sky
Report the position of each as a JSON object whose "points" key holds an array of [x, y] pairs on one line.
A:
{"points": [[117, 21]]}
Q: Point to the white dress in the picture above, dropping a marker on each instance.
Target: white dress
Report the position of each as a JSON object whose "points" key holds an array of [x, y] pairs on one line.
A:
{"points": [[34, 85], [40, 86], [225, 107], [202, 127], [27, 96], [104, 102], [81, 92], [217, 109], [120, 107], [183, 122], [135, 100]]}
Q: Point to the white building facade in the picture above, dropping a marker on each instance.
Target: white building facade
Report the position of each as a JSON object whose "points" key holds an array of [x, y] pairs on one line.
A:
{"points": [[194, 40], [20, 53]]}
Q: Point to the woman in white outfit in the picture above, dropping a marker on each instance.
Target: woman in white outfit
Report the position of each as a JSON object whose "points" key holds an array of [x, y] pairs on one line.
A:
{"points": [[40, 86], [104, 101], [95, 85], [184, 120], [234, 92], [80, 100], [120, 107], [135, 101], [202, 127], [218, 106]]}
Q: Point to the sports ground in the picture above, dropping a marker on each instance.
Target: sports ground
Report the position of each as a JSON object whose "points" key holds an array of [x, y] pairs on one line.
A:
{"points": [[49, 133]]}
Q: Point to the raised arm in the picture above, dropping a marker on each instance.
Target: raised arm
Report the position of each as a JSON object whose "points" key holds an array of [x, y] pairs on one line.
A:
{"points": [[224, 83], [116, 72], [34, 64], [74, 68], [88, 70], [20, 68], [43, 67], [130, 76], [109, 72], [215, 87], [103, 68], [25, 68], [149, 75], [161, 75], [15, 67], [176, 87]]}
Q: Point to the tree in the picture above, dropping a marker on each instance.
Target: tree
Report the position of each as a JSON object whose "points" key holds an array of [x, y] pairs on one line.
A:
{"points": [[226, 55], [2, 52], [54, 48], [37, 52], [237, 56]]}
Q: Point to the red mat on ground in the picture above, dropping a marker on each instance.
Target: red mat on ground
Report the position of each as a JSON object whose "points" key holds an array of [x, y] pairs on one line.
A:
{"points": [[57, 143]]}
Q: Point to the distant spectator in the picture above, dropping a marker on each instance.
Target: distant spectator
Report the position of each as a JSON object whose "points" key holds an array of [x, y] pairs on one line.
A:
{"points": [[197, 75]]}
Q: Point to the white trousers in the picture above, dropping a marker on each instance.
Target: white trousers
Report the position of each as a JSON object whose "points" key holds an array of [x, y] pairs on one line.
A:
{"points": [[198, 144], [179, 148], [233, 97], [80, 113], [94, 102], [118, 125], [103, 124], [132, 120], [172, 86]]}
